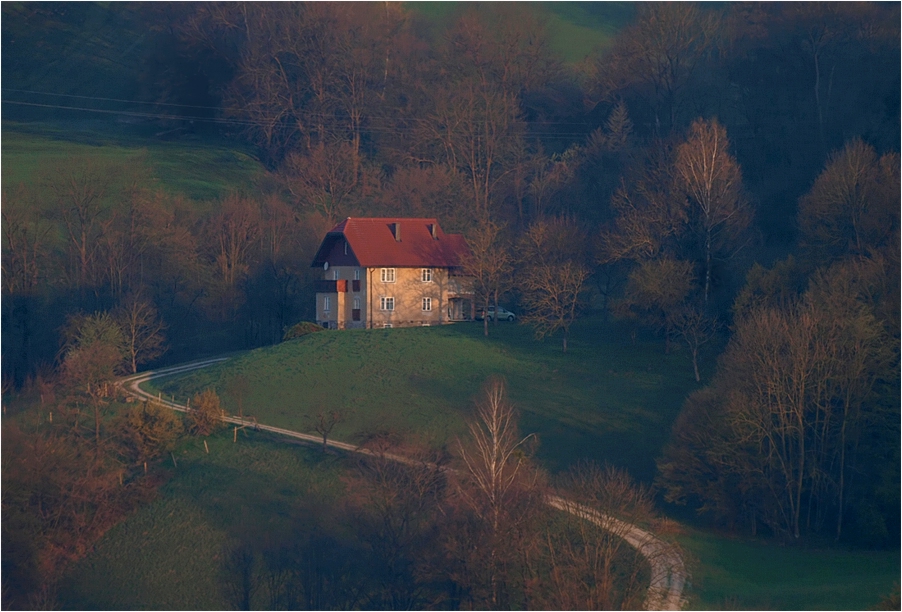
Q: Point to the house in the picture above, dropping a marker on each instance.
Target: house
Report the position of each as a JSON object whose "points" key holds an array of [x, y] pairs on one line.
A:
{"points": [[391, 272]]}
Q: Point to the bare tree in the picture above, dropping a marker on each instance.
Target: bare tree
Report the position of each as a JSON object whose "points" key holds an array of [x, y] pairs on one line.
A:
{"points": [[142, 328], [25, 239], [659, 56], [490, 265], [552, 295], [552, 275], [695, 327], [712, 182], [80, 189], [496, 477], [592, 566], [324, 421], [853, 204]]}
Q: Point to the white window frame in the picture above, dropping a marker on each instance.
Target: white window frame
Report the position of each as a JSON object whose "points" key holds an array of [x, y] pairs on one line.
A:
{"points": [[357, 274], [327, 303], [336, 275], [388, 275], [427, 304], [356, 303], [386, 325], [387, 303], [426, 275]]}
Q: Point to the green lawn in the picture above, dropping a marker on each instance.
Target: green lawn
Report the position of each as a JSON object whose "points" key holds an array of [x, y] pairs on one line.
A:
{"points": [[730, 573], [605, 400], [200, 172], [575, 29], [167, 556]]}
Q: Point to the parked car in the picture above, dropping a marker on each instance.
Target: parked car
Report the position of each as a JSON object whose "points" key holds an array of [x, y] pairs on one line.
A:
{"points": [[502, 314]]}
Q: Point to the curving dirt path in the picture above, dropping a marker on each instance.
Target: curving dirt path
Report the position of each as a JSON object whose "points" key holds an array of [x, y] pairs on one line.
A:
{"points": [[668, 572]]}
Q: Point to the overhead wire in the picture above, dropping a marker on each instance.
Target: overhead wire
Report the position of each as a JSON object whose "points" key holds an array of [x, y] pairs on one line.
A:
{"points": [[252, 122], [307, 113]]}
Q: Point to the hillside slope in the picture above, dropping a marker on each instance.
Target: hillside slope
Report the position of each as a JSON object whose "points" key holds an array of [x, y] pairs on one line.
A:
{"points": [[604, 400]]}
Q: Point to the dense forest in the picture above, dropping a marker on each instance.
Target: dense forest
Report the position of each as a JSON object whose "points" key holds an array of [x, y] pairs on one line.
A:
{"points": [[719, 171]]}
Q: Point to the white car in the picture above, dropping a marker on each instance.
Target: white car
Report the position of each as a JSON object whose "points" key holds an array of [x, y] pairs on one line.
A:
{"points": [[502, 314]]}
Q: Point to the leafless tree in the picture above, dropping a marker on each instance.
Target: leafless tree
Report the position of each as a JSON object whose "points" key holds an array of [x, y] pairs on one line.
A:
{"points": [[592, 566], [324, 421], [659, 55], [853, 204], [490, 265], [552, 276], [497, 476], [142, 328], [711, 180], [25, 238], [695, 327]]}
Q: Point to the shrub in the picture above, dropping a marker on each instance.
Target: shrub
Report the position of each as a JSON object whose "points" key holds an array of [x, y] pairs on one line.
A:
{"points": [[149, 430], [301, 329], [206, 413]]}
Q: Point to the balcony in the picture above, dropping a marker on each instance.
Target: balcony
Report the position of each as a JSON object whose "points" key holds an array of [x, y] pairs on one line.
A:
{"points": [[330, 286]]}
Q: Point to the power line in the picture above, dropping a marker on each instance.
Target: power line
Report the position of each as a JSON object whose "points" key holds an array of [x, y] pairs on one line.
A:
{"points": [[255, 123], [307, 113]]}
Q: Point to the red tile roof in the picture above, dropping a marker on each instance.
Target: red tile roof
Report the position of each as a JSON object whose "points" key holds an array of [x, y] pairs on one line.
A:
{"points": [[373, 242]]}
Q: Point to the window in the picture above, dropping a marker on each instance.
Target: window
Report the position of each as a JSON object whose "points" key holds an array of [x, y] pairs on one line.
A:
{"points": [[357, 274], [335, 274], [388, 275], [386, 325], [356, 303], [427, 275], [327, 303], [388, 303], [427, 304], [346, 247]]}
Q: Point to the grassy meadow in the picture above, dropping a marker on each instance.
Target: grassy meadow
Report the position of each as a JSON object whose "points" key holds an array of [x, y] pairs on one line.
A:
{"points": [[604, 400], [168, 555], [575, 29], [194, 170], [730, 573]]}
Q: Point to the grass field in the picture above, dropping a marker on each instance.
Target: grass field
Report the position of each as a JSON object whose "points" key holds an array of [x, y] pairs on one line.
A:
{"points": [[198, 171], [730, 573], [604, 400], [168, 555], [575, 29]]}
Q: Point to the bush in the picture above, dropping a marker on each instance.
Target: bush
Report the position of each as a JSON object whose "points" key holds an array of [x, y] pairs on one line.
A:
{"points": [[149, 430], [206, 413], [301, 329]]}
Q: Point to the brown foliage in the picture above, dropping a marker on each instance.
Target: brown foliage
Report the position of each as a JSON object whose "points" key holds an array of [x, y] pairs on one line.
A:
{"points": [[592, 565], [142, 329], [205, 415], [854, 203]]}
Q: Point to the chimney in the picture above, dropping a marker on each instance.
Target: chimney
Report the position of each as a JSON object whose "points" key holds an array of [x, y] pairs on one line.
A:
{"points": [[433, 230], [396, 230]]}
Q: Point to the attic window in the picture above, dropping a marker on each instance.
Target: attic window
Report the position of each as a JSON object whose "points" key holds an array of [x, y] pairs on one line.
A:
{"points": [[433, 230], [346, 247], [396, 231]]}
